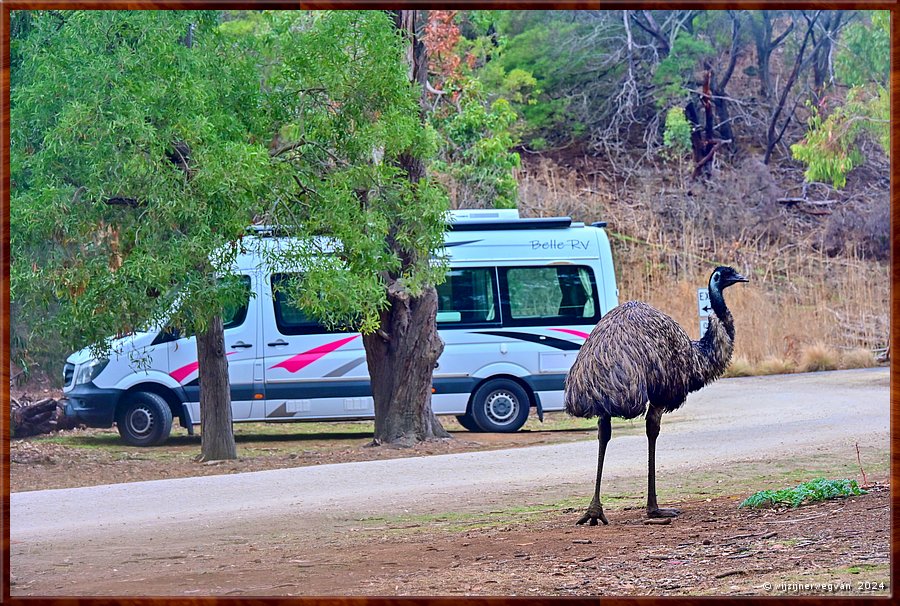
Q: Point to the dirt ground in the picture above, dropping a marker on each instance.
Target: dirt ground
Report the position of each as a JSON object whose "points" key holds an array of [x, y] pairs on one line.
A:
{"points": [[713, 548]]}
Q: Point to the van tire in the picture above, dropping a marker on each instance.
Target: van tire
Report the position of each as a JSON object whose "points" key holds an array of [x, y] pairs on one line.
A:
{"points": [[468, 422], [500, 406], [144, 419]]}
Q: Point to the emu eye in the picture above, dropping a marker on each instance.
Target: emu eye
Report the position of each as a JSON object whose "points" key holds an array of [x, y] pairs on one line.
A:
{"points": [[716, 277]]}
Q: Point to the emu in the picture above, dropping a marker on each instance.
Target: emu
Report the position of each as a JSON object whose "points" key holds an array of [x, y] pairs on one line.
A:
{"points": [[639, 361]]}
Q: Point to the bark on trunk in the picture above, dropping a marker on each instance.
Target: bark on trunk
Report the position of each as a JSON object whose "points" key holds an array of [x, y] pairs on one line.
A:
{"points": [[401, 358], [217, 432], [402, 354]]}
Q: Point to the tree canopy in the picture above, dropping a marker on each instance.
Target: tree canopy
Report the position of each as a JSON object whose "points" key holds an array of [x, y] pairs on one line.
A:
{"points": [[131, 164]]}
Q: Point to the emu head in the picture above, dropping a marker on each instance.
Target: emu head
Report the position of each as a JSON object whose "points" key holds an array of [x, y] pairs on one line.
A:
{"points": [[723, 276]]}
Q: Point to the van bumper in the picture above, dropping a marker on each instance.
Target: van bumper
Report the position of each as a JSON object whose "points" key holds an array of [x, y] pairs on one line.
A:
{"points": [[92, 406]]}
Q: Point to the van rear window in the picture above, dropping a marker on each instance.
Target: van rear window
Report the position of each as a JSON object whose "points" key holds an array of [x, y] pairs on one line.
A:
{"points": [[468, 296], [560, 294]]}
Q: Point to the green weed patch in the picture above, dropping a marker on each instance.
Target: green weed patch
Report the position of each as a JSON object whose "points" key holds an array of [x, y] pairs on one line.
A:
{"points": [[813, 491]]}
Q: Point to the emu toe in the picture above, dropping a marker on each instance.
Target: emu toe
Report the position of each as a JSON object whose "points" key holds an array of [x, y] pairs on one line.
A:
{"points": [[594, 513], [660, 512]]}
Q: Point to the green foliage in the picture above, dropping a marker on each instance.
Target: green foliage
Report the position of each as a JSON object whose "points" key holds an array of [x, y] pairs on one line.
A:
{"points": [[677, 133], [830, 148], [673, 75], [106, 230], [348, 118], [532, 71], [864, 55], [476, 150], [813, 491]]}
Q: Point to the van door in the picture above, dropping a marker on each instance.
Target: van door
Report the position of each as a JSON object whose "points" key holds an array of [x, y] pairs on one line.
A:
{"points": [[241, 324], [310, 372]]}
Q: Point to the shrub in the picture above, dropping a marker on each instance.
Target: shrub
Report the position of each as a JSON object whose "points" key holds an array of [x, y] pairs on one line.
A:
{"points": [[739, 367], [813, 491]]}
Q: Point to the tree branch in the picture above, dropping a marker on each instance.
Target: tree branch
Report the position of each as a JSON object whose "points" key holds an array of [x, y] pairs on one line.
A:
{"points": [[783, 35], [732, 60], [129, 202], [651, 28]]}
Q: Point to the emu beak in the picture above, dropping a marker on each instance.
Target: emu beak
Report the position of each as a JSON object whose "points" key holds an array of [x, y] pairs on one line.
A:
{"points": [[739, 278]]}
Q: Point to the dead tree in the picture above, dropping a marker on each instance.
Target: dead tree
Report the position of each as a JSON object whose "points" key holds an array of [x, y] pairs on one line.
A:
{"points": [[704, 142], [762, 25], [774, 132], [718, 85]]}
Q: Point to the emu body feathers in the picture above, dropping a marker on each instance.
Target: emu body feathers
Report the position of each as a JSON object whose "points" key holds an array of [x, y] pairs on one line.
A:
{"points": [[639, 361], [636, 354]]}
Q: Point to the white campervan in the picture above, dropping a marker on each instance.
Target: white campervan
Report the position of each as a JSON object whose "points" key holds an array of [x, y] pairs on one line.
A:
{"points": [[520, 298]]}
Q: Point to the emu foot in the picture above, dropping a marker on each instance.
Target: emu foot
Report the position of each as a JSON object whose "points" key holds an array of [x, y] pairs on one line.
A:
{"points": [[594, 513], [659, 512]]}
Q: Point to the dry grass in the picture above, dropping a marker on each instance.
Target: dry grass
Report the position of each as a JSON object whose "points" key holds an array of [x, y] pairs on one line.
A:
{"points": [[775, 366], [739, 367], [857, 358], [818, 356], [797, 297]]}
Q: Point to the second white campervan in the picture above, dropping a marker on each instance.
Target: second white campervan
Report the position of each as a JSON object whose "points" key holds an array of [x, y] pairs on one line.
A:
{"points": [[520, 298]]}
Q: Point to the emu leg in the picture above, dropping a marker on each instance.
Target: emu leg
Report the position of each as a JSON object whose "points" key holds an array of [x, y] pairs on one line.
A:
{"points": [[595, 509], [653, 511]]}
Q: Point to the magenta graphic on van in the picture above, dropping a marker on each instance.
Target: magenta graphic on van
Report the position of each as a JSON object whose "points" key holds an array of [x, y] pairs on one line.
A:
{"points": [[308, 357]]}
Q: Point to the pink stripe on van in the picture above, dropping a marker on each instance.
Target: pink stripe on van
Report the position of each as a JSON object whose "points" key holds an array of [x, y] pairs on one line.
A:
{"points": [[577, 333], [308, 357], [180, 374]]}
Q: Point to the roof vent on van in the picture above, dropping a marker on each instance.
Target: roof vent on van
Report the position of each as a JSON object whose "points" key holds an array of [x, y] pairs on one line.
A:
{"points": [[484, 214]]}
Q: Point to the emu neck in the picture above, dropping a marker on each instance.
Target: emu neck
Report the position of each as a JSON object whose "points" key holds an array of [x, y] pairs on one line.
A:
{"points": [[713, 351], [717, 301]]}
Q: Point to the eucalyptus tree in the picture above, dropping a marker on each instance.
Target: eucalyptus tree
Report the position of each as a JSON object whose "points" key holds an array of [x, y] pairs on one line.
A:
{"points": [[138, 155], [368, 223]]}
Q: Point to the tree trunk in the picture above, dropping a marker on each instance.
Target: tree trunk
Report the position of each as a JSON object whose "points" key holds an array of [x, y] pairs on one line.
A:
{"points": [[762, 29], [773, 137], [401, 358], [217, 432], [402, 353], [718, 85], [822, 61]]}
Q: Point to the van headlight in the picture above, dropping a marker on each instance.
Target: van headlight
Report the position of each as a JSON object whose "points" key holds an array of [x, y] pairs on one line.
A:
{"points": [[89, 371]]}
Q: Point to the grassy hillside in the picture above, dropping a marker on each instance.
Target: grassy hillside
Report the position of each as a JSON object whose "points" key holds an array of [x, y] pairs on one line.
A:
{"points": [[806, 307]]}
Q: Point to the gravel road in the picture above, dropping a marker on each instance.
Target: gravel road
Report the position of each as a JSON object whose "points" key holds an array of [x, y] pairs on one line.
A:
{"points": [[730, 421]]}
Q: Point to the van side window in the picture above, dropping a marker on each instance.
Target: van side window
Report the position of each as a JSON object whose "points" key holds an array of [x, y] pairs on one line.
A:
{"points": [[290, 319], [233, 315], [559, 294], [467, 296]]}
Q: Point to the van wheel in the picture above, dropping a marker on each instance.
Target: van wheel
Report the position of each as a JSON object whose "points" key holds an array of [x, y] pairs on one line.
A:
{"points": [[500, 406], [468, 422], [144, 419]]}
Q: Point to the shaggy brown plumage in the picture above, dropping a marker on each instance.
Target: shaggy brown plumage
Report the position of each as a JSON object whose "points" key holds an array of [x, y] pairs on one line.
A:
{"points": [[636, 354], [639, 361]]}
